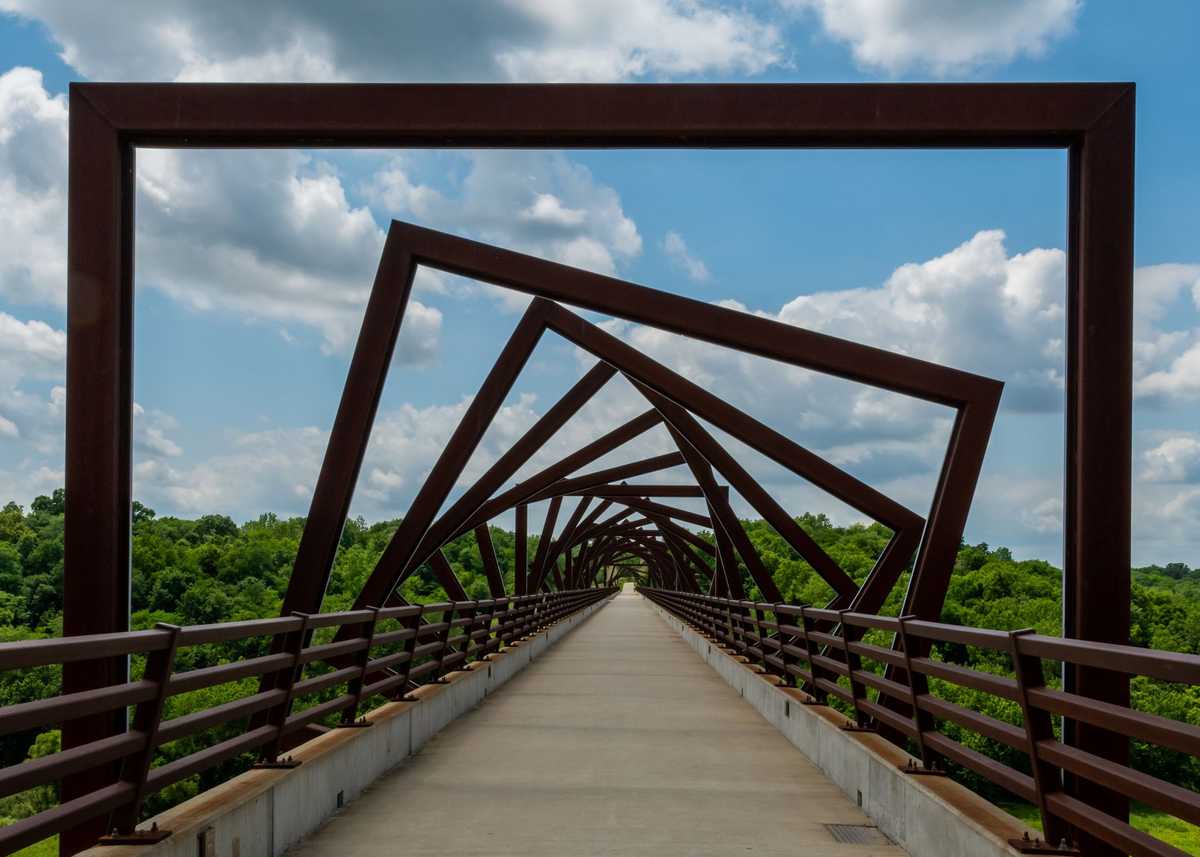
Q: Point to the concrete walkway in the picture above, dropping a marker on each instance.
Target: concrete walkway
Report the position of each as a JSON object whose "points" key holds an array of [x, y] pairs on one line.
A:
{"points": [[618, 741]]}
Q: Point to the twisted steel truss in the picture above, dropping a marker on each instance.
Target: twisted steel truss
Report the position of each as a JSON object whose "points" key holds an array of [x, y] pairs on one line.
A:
{"points": [[639, 528]]}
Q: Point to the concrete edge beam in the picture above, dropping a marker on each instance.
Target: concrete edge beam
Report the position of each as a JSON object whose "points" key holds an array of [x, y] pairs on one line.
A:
{"points": [[263, 813], [926, 816]]}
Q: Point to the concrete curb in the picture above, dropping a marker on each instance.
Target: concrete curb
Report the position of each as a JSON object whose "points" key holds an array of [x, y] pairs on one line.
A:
{"points": [[926, 816], [263, 813]]}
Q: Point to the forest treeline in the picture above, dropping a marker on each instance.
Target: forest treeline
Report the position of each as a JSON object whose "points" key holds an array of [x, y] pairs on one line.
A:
{"points": [[212, 569]]}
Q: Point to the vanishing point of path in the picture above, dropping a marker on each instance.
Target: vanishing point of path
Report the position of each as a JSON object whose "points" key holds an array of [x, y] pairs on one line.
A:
{"points": [[619, 740]]}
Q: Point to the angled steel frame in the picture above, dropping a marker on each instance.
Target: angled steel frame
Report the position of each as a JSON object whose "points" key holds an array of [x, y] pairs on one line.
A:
{"points": [[1093, 122]]}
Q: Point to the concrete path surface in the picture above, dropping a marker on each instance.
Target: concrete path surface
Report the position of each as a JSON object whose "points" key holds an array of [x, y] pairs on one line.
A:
{"points": [[618, 741]]}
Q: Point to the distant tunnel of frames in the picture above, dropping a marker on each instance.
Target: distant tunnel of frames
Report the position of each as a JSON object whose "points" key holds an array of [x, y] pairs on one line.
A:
{"points": [[603, 524]]}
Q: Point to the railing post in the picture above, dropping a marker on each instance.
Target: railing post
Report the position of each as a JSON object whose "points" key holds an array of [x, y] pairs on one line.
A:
{"points": [[468, 613], [410, 646], [788, 678], [818, 693], [857, 690], [146, 719], [350, 716], [439, 675], [918, 686], [285, 680], [1038, 727]]}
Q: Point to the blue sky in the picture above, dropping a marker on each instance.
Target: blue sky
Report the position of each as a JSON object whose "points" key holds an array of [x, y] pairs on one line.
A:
{"points": [[253, 267]]}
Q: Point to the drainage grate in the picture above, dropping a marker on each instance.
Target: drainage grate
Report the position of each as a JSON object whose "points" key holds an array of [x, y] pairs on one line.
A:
{"points": [[857, 834]]}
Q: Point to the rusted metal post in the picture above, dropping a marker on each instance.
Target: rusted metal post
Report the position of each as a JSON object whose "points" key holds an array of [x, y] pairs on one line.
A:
{"points": [[293, 644], [367, 631], [1038, 727], [146, 719]]}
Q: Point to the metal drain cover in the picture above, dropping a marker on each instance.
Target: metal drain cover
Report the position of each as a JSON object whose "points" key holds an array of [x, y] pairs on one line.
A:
{"points": [[857, 834]]}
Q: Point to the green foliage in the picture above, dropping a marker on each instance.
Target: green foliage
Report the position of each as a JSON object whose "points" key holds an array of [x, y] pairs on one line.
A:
{"points": [[212, 570]]}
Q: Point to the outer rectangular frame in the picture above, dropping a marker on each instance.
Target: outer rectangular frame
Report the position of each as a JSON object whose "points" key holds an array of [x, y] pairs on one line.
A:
{"points": [[1094, 122]]}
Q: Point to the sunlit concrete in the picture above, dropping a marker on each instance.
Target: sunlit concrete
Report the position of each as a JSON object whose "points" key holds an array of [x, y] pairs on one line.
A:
{"points": [[617, 741]]}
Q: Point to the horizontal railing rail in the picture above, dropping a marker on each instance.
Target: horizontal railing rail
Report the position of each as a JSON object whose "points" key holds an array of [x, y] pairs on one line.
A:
{"points": [[823, 650], [393, 649]]}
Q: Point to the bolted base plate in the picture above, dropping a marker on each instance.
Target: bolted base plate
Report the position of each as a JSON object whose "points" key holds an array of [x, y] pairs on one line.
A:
{"points": [[136, 837], [272, 766], [1038, 846]]}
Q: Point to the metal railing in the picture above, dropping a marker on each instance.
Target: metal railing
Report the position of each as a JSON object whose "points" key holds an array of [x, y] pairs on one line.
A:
{"points": [[816, 647], [392, 649]]}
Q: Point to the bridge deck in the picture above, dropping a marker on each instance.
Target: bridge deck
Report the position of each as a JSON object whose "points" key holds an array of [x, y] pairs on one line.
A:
{"points": [[618, 741]]}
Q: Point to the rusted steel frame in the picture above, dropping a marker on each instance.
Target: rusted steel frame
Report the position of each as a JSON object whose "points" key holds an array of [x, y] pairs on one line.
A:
{"points": [[350, 435], [918, 687], [585, 526], [683, 554], [457, 520], [557, 576], [1099, 397], [953, 387], [285, 679], [684, 551], [109, 120], [522, 492], [446, 578], [686, 535], [389, 569], [610, 475], [670, 558], [147, 718], [564, 538], [538, 569], [1038, 728], [491, 568], [756, 335], [356, 685], [599, 528], [643, 505], [639, 490], [717, 498], [520, 551], [687, 430], [727, 563]]}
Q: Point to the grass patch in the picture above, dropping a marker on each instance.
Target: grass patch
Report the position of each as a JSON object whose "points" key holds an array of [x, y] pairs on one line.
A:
{"points": [[1168, 828], [45, 848]]}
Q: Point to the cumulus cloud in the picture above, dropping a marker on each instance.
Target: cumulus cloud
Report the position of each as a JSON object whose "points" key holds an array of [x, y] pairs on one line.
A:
{"points": [[535, 202], [268, 235], [681, 257], [976, 307], [33, 158], [1175, 458], [944, 37], [519, 40]]}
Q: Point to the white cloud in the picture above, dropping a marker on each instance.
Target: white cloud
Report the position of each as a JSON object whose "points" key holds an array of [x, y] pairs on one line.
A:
{"points": [[33, 157], [268, 235], [520, 40], [1045, 517], [943, 37], [540, 203], [1176, 458], [677, 251], [30, 350]]}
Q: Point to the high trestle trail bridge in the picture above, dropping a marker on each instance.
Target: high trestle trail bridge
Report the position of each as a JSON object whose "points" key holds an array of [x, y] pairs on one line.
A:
{"points": [[642, 687]]}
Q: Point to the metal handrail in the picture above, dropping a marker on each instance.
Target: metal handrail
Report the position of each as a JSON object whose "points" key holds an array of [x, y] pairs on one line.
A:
{"points": [[904, 704], [488, 626]]}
